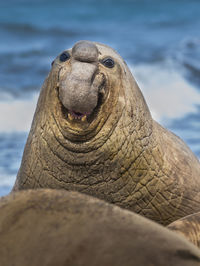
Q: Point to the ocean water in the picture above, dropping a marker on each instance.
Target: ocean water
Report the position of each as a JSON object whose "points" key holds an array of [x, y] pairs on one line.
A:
{"points": [[160, 40]]}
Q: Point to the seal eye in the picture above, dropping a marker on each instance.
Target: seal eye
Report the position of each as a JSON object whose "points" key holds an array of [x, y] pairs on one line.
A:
{"points": [[64, 56], [108, 62]]}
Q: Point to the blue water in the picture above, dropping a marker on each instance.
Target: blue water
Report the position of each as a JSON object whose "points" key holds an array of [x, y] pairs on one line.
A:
{"points": [[160, 40]]}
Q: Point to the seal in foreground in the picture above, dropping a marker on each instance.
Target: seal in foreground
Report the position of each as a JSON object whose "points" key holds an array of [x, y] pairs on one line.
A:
{"points": [[56, 227], [92, 132]]}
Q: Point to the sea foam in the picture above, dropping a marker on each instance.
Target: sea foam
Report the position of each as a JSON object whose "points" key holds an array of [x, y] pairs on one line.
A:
{"points": [[17, 114], [167, 94]]}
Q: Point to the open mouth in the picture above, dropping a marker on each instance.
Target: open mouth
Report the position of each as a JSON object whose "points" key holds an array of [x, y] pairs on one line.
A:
{"points": [[72, 115], [76, 117], [82, 111]]}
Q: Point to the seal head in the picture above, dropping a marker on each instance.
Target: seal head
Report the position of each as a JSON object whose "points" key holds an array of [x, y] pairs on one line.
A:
{"points": [[88, 86]]}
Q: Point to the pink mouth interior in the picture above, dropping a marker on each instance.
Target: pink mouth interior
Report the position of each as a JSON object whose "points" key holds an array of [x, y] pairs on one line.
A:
{"points": [[78, 115]]}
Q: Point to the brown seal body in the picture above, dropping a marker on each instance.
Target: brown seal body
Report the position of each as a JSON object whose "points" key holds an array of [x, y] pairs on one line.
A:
{"points": [[57, 227], [92, 132], [188, 227]]}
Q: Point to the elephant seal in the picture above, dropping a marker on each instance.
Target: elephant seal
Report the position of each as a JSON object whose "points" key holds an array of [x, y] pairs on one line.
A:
{"points": [[92, 132], [188, 227], [56, 227]]}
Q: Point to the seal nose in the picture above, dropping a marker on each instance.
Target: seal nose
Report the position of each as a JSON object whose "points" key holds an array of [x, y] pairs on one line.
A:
{"points": [[85, 51]]}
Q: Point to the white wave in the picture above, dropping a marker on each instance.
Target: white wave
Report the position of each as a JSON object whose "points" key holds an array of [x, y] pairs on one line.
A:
{"points": [[167, 93], [7, 180], [17, 114]]}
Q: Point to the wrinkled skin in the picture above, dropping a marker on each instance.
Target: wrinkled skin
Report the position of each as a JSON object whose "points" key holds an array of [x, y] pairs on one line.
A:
{"points": [[92, 132], [57, 227], [188, 227]]}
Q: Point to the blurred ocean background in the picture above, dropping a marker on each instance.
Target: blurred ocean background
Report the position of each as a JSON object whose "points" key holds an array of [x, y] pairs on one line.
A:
{"points": [[160, 40]]}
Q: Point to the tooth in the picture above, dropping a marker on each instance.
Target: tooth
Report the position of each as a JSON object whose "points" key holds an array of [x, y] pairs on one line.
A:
{"points": [[84, 118], [71, 117], [103, 91]]}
